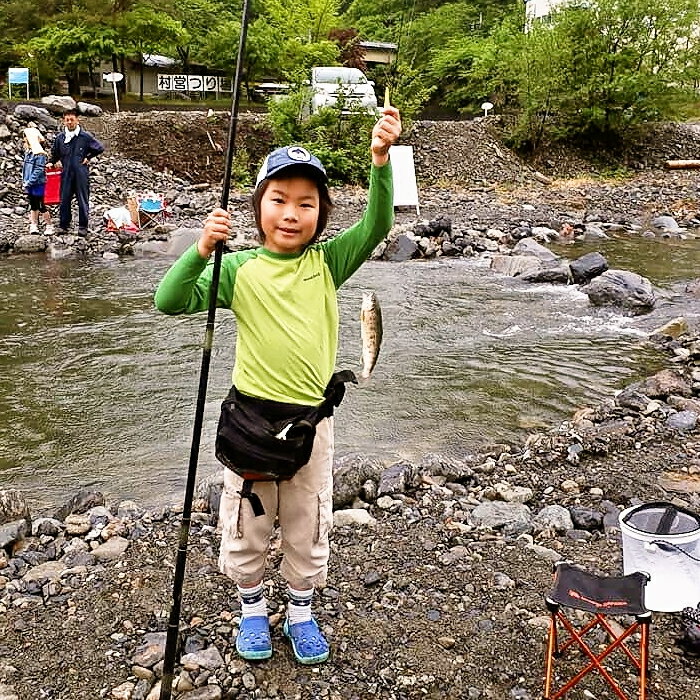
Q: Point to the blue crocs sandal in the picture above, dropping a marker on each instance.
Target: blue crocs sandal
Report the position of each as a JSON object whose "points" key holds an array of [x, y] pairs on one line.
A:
{"points": [[253, 642], [308, 642]]}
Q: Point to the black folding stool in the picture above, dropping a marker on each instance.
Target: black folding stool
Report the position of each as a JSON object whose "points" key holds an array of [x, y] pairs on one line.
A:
{"points": [[601, 596]]}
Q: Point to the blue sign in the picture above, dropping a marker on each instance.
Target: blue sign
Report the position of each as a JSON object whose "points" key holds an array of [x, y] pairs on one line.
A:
{"points": [[18, 76]]}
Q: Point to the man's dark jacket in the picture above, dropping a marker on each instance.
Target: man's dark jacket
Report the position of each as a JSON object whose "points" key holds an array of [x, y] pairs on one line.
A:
{"points": [[75, 175]]}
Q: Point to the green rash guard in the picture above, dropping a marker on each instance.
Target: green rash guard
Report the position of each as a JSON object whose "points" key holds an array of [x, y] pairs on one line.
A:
{"points": [[285, 304]]}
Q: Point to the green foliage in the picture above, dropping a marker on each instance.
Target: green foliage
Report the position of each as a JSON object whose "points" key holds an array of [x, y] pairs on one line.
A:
{"points": [[341, 141], [72, 45], [589, 71], [207, 24], [409, 92], [144, 31]]}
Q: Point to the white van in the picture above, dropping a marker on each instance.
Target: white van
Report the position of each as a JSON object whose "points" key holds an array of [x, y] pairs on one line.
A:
{"points": [[327, 82]]}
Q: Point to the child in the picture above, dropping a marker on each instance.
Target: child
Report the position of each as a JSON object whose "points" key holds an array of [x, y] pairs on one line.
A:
{"points": [[284, 298], [34, 179]]}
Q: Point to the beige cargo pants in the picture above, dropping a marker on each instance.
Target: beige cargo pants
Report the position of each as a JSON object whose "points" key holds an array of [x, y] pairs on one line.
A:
{"points": [[303, 506]]}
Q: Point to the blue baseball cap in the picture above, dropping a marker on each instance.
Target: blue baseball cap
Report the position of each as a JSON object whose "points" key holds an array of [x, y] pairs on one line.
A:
{"points": [[287, 157]]}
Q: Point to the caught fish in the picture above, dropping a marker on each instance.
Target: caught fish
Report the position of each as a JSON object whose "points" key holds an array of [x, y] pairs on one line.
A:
{"points": [[371, 332]]}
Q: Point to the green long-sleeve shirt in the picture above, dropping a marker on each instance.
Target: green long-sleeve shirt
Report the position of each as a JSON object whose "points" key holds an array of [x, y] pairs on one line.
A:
{"points": [[285, 304]]}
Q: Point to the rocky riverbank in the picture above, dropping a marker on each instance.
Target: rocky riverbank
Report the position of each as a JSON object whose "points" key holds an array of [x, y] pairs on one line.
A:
{"points": [[438, 568], [476, 197]]}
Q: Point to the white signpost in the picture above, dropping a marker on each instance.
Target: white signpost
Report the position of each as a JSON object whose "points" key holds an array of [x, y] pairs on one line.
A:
{"points": [[486, 106], [113, 78], [17, 76], [403, 171]]}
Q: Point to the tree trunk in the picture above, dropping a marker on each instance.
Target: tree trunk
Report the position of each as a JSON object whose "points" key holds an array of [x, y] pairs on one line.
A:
{"points": [[140, 77], [682, 164]]}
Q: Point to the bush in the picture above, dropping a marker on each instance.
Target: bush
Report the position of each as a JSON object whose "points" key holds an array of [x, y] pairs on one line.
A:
{"points": [[340, 141]]}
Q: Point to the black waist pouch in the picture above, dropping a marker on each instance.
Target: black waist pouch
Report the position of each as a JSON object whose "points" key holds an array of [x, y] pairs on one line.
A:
{"points": [[263, 440]]}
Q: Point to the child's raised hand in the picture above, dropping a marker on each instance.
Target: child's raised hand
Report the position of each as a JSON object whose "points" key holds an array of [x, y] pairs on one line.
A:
{"points": [[217, 227], [385, 133]]}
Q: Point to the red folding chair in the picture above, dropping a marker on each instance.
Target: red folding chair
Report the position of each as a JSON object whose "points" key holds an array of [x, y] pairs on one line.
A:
{"points": [[599, 597]]}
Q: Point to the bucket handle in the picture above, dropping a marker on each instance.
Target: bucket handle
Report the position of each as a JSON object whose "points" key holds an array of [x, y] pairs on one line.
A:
{"points": [[663, 545]]}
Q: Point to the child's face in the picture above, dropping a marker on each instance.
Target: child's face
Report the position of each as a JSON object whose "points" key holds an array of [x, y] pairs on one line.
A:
{"points": [[289, 214]]}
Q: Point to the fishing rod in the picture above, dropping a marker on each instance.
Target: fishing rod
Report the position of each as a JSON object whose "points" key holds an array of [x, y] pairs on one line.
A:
{"points": [[179, 577]]}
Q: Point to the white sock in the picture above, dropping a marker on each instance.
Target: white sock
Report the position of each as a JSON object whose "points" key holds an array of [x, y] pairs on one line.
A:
{"points": [[253, 602], [299, 605]]}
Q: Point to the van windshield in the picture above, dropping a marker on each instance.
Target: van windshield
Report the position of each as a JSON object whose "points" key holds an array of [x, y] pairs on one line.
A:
{"points": [[338, 74]]}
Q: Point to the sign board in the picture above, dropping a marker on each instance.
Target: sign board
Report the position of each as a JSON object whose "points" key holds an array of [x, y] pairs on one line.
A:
{"points": [[193, 83], [113, 78], [403, 171], [17, 76]]}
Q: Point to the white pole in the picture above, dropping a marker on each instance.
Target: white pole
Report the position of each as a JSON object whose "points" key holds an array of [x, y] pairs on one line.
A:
{"points": [[116, 99]]}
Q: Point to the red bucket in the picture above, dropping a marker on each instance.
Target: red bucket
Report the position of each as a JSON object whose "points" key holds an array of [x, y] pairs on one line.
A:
{"points": [[52, 193]]}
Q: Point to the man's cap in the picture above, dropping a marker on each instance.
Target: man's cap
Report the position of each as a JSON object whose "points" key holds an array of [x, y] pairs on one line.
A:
{"points": [[287, 157]]}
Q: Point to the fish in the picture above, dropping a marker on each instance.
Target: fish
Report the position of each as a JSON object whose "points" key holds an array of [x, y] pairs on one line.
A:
{"points": [[371, 331]]}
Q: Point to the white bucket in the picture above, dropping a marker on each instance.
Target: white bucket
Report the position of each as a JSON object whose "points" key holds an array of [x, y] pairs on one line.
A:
{"points": [[671, 559]]}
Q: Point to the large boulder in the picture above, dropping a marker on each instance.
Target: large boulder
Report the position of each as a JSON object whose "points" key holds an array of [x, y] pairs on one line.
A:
{"points": [[350, 473], [529, 246], [82, 502], [511, 518], [58, 104], [89, 109], [13, 506], [555, 274], [592, 232], [514, 265], [588, 266], [31, 113], [674, 328], [621, 288], [665, 224], [402, 248], [693, 288], [31, 243], [665, 383]]}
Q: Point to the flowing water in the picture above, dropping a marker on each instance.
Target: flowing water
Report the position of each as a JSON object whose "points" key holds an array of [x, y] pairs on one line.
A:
{"points": [[98, 389]]}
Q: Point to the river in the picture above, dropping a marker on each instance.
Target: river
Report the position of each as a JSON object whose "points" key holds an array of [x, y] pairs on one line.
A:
{"points": [[98, 390]]}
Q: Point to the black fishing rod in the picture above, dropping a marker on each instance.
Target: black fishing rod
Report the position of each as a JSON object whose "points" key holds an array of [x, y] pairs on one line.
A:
{"points": [[179, 578]]}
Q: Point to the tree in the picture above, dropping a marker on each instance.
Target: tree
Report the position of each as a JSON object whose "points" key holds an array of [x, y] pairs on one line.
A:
{"points": [[588, 71], [351, 53], [202, 21], [145, 32], [73, 45]]}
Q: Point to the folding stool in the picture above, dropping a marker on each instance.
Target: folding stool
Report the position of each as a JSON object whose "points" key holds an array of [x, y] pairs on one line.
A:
{"points": [[151, 210], [599, 597]]}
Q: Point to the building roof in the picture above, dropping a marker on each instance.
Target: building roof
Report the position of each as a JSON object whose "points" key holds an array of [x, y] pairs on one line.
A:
{"points": [[156, 61], [387, 46]]}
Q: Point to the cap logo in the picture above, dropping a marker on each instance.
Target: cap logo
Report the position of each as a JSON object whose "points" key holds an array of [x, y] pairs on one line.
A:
{"points": [[301, 155]]}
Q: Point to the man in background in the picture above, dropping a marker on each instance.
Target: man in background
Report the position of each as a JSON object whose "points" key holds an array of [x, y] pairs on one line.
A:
{"points": [[73, 149]]}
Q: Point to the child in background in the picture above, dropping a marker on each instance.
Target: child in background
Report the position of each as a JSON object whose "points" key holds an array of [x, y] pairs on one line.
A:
{"points": [[34, 179], [283, 295]]}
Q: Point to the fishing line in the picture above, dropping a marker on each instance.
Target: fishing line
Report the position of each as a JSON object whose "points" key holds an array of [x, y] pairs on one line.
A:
{"points": [[393, 70], [179, 578]]}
